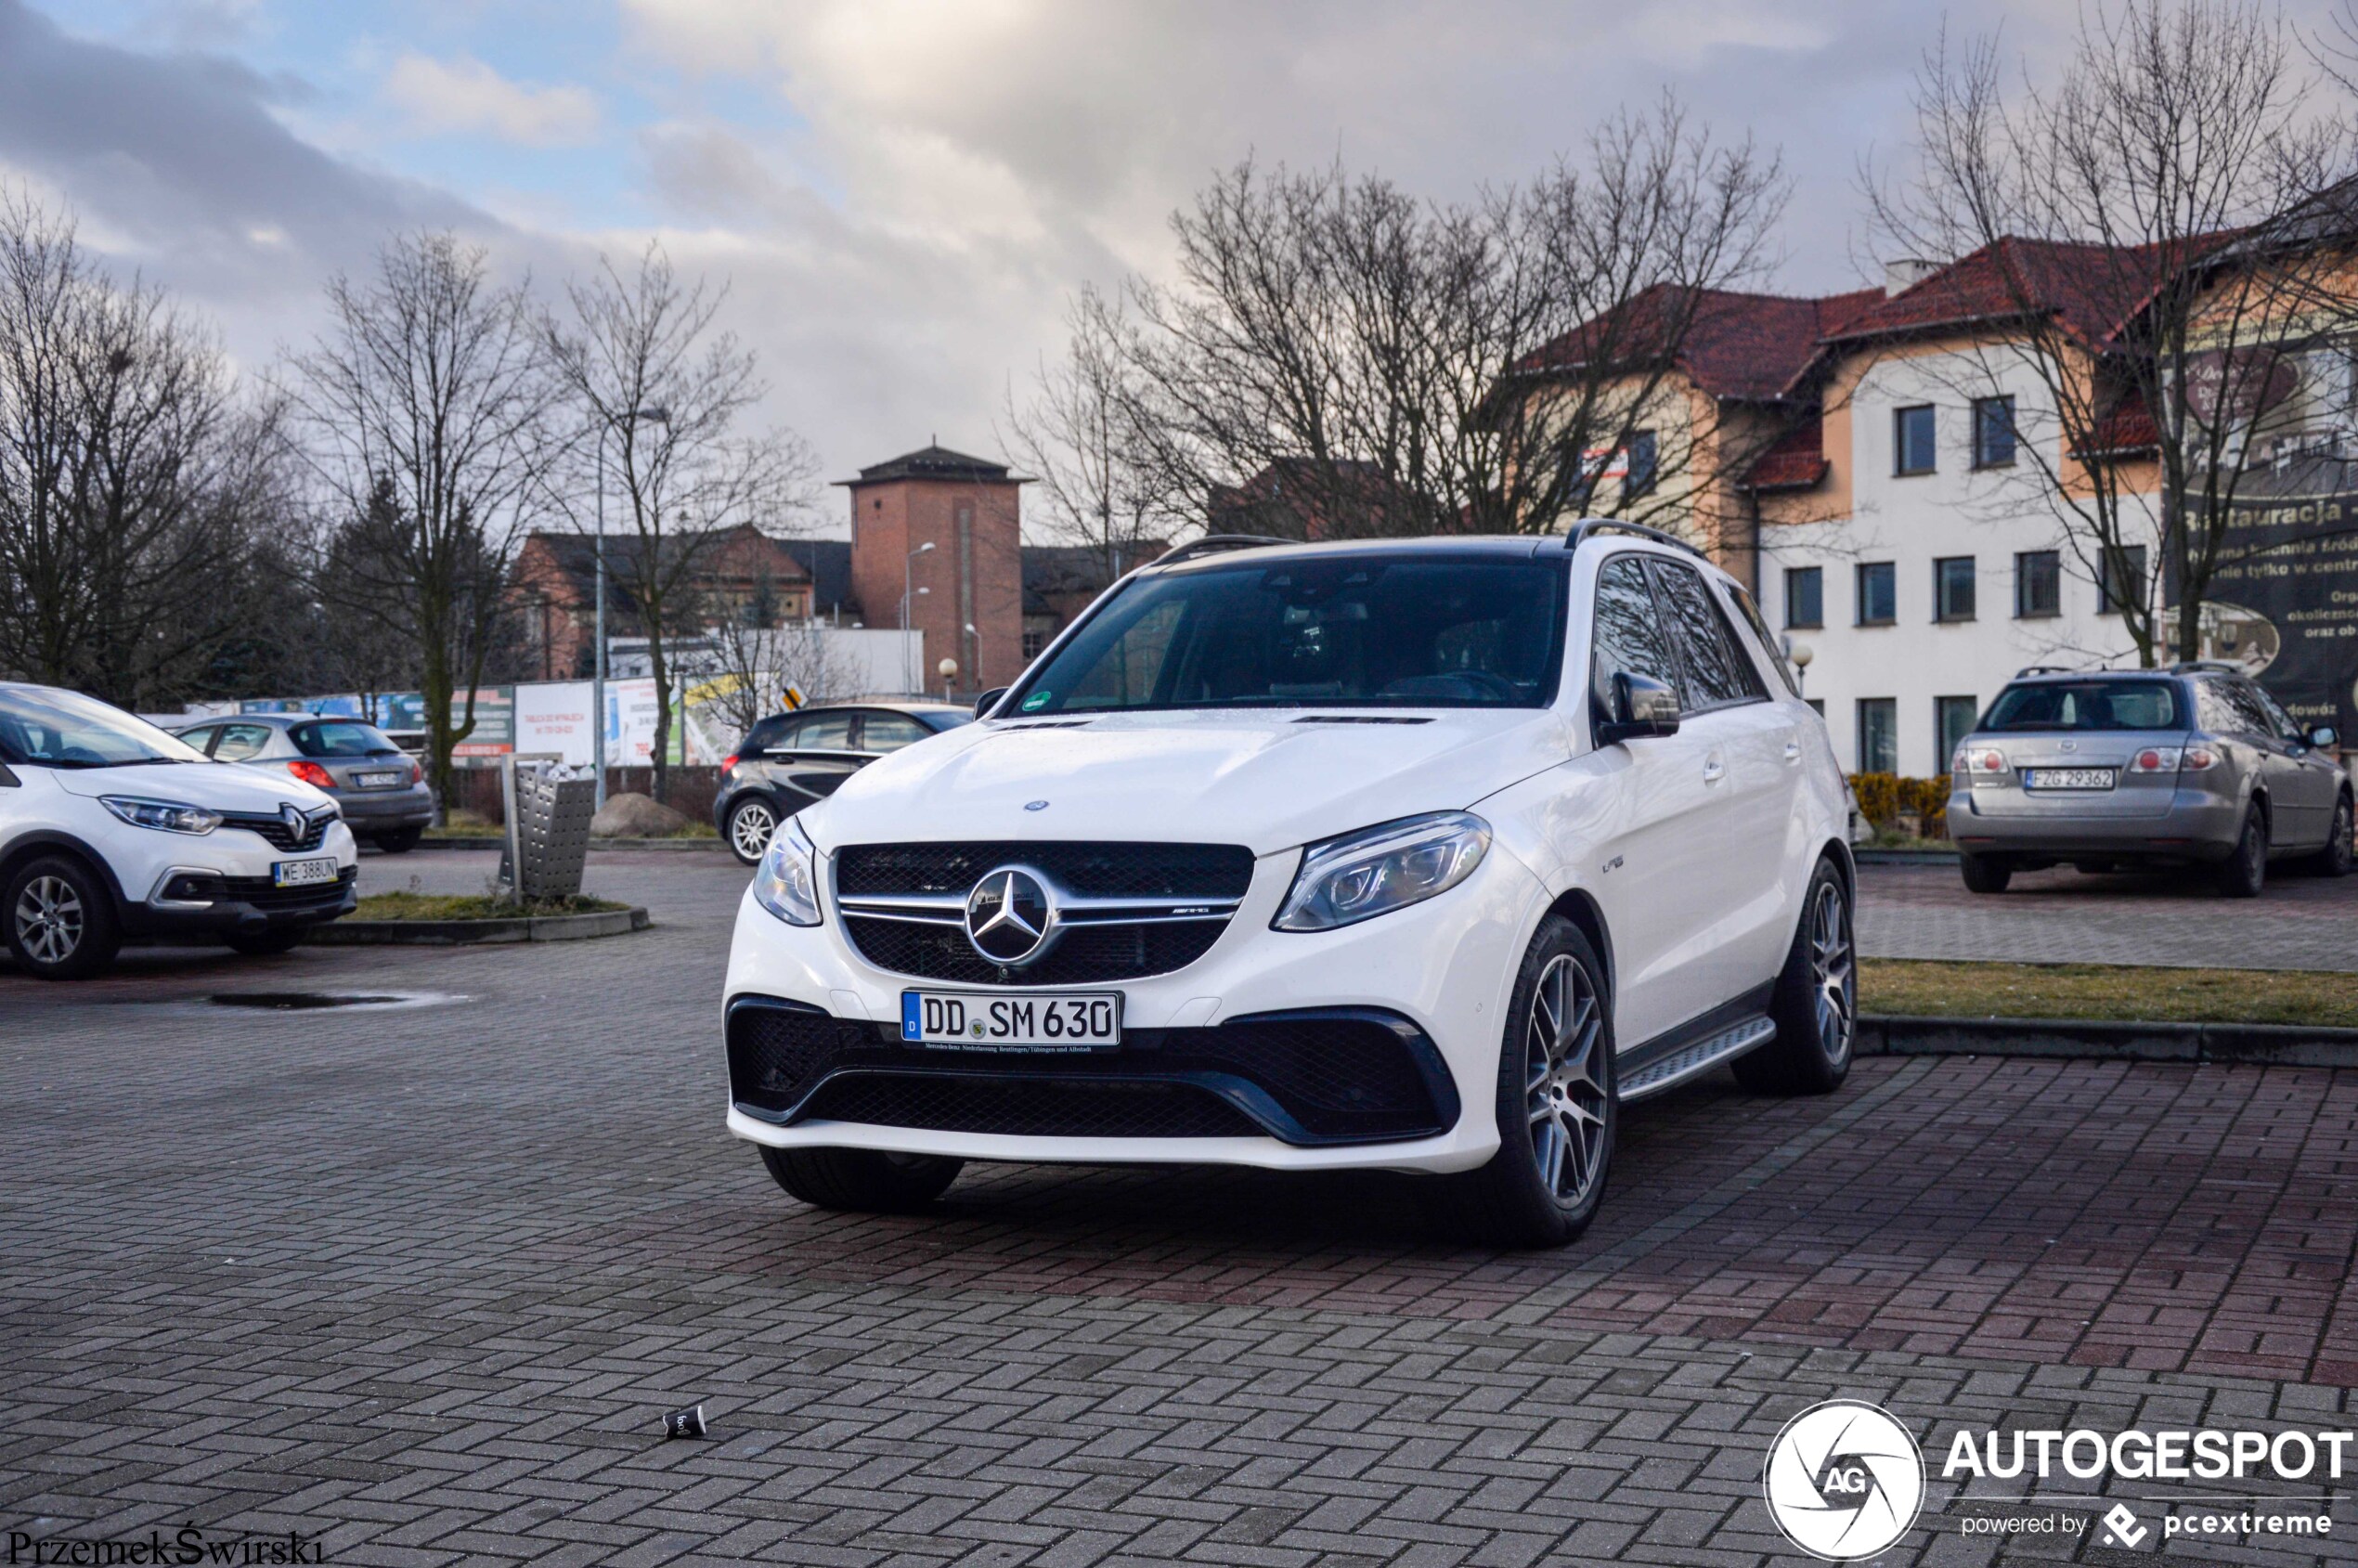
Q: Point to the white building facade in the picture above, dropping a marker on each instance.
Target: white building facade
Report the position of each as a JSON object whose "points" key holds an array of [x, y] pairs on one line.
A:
{"points": [[1950, 570]]}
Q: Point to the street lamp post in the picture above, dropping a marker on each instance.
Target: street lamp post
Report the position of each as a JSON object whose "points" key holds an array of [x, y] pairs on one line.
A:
{"points": [[597, 664], [908, 570]]}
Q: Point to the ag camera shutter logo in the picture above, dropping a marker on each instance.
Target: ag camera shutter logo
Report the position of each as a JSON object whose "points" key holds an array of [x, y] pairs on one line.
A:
{"points": [[1844, 1480]]}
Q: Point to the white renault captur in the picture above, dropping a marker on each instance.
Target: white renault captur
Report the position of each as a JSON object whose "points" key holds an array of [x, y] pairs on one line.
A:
{"points": [[112, 830], [1425, 855]]}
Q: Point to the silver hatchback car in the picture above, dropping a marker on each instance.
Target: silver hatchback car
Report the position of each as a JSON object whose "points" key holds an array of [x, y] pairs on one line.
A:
{"points": [[2192, 766], [383, 793]]}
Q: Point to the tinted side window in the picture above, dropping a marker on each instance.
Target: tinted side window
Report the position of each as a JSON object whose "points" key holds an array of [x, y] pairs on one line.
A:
{"points": [[823, 731], [240, 740], [2277, 717], [1628, 630], [1762, 641], [891, 732], [201, 737], [763, 735], [1714, 678]]}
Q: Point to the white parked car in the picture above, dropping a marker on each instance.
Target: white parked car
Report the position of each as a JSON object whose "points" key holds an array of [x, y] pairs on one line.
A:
{"points": [[1426, 855], [112, 831]]}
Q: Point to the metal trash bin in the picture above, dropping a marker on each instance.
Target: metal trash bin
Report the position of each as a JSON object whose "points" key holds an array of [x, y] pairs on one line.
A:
{"points": [[549, 812]]}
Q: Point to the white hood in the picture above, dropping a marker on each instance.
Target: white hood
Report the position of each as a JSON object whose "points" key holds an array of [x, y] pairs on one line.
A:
{"points": [[216, 786], [1262, 778]]}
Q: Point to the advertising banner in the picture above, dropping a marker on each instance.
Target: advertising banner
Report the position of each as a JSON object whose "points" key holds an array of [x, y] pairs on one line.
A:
{"points": [[2290, 615], [630, 723], [555, 718], [495, 733]]}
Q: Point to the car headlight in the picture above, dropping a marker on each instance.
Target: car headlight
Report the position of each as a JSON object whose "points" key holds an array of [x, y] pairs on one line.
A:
{"points": [[167, 816], [787, 883], [1379, 869]]}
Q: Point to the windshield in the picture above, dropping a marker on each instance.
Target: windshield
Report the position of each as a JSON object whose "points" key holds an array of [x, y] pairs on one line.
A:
{"points": [[342, 737], [2088, 704], [56, 729], [1370, 631]]}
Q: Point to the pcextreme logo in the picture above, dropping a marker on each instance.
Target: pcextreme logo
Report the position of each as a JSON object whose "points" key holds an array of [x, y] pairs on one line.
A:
{"points": [[1844, 1480]]}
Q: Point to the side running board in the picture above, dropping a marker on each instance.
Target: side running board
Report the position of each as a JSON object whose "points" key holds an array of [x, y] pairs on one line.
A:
{"points": [[1702, 1057]]}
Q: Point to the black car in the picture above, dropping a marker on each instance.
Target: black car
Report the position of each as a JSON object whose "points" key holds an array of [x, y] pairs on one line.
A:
{"points": [[790, 759]]}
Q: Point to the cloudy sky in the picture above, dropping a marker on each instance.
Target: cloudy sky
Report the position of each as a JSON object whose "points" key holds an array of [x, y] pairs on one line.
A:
{"points": [[903, 194]]}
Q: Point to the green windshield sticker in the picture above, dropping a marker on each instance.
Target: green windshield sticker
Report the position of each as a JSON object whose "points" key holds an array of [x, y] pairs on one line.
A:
{"points": [[1037, 699]]}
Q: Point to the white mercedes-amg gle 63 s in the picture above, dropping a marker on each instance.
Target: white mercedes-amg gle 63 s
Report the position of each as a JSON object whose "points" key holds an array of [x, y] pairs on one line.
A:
{"points": [[1423, 855]]}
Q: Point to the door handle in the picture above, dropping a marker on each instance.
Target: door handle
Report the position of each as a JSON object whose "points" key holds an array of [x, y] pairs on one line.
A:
{"points": [[1792, 751], [1712, 769]]}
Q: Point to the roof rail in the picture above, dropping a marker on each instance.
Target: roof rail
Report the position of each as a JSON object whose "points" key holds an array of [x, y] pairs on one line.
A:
{"points": [[2224, 666], [2030, 670], [1588, 526], [1216, 544]]}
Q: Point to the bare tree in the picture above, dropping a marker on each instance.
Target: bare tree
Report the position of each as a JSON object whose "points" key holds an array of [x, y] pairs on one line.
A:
{"points": [[1096, 482], [427, 403], [134, 483], [2154, 265], [1412, 367], [664, 390], [755, 664]]}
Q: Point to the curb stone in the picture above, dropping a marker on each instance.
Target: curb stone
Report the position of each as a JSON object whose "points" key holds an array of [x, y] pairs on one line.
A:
{"points": [[2269, 1044], [457, 933]]}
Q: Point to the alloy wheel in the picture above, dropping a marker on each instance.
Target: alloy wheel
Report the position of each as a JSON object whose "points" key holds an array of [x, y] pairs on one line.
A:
{"points": [[750, 827], [1831, 967], [49, 919], [1564, 1087]]}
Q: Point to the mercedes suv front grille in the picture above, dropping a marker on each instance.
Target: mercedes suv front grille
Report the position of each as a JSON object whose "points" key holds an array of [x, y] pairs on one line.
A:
{"points": [[1116, 911]]}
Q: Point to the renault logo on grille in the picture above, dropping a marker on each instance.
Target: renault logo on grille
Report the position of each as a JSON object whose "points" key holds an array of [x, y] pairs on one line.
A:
{"points": [[1009, 916], [292, 816]]}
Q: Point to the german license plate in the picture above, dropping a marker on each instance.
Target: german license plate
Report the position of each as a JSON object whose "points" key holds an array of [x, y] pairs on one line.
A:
{"points": [[2067, 778], [376, 781], [303, 873], [1071, 1021]]}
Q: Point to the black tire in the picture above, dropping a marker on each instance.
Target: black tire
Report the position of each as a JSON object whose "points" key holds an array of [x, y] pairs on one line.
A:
{"points": [[2334, 859], [2244, 871], [1984, 874], [862, 1179], [60, 919], [1544, 1185], [745, 828], [400, 841], [1815, 1005], [268, 942]]}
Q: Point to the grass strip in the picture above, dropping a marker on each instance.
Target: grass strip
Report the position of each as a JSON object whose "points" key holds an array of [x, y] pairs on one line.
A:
{"points": [[473, 906], [2106, 991]]}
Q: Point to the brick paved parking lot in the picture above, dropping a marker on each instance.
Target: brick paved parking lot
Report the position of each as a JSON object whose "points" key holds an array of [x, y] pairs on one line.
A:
{"points": [[422, 1278], [2059, 917]]}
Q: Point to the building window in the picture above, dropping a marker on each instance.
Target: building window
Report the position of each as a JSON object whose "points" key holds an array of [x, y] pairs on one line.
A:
{"points": [[1805, 596], [1993, 433], [2123, 579], [1642, 458], [1878, 734], [2038, 584], [1911, 439], [1816, 706], [1955, 717], [1952, 588], [1034, 642], [1878, 593]]}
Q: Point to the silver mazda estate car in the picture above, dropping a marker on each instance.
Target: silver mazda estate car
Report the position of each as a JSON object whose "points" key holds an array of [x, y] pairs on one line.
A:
{"points": [[2191, 766]]}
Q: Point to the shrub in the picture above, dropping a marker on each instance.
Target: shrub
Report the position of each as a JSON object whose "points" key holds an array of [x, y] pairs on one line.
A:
{"points": [[1884, 798]]}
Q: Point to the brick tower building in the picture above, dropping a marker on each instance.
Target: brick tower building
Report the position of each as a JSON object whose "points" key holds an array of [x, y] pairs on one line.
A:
{"points": [[965, 594]]}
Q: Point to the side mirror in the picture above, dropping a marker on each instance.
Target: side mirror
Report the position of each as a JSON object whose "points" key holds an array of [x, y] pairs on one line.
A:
{"points": [[989, 700], [1641, 706], [2324, 737]]}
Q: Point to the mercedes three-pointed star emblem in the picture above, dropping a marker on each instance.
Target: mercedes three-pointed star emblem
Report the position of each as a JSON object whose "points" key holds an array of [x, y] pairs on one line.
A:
{"points": [[1009, 916]]}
